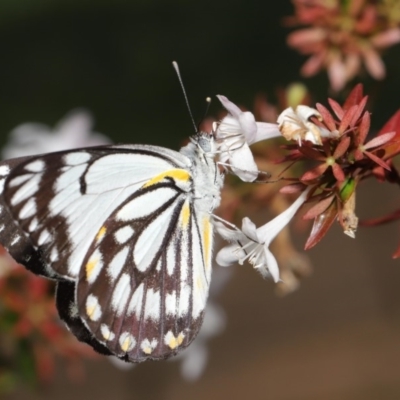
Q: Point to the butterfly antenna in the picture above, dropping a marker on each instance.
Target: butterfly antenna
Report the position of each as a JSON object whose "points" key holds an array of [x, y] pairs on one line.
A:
{"points": [[178, 74], [208, 101]]}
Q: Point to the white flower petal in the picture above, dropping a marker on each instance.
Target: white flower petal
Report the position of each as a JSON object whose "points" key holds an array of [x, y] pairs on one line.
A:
{"points": [[311, 138], [269, 231], [306, 112], [228, 233], [287, 114], [266, 131], [272, 265], [229, 255], [295, 125], [249, 126], [249, 229], [234, 133], [243, 164], [230, 107], [229, 127]]}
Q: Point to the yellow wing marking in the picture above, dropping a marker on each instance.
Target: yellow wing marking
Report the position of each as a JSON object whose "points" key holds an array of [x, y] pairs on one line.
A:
{"points": [[90, 267], [147, 350], [207, 241], [90, 311], [101, 233], [185, 215], [126, 344], [173, 341], [176, 174]]}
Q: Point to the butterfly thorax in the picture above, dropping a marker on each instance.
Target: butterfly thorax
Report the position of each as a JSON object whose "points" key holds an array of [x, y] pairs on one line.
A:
{"points": [[207, 180]]}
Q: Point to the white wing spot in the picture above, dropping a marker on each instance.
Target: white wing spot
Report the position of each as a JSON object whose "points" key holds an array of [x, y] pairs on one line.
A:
{"points": [[152, 309], [44, 237], [184, 300], [2, 181], [35, 166], [93, 308], [4, 170], [151, 239], [117, 263], [79, 157], [171, 258], [184, 264], [124, 234], [127, 341], [121, 294], [106, 332], [28, 209], [148, 346], [173, 341], [54, 254], [15, 240], [146, 204], [94, 266], [1, 227], [33, 225], [27, 190], [19, 180], [201, 275], [135, 305], [170, 303]]}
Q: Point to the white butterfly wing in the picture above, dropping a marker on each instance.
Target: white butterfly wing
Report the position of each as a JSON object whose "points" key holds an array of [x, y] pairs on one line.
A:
{"points": [[118, 223]]}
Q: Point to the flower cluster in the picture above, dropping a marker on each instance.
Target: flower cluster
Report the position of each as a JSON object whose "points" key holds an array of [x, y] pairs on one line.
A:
{"points": [[343, 159], [342, 35], [235, 133], [335, 143]]}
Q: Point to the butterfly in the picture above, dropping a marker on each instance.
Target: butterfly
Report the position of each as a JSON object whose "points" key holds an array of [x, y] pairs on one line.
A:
{"points": [[127, 233]]}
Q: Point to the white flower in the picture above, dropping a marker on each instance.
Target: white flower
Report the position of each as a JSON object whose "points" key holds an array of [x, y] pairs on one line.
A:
{"points": [[73, 131], [235, 133], [296, 125], [252, 243], [195, 357]]}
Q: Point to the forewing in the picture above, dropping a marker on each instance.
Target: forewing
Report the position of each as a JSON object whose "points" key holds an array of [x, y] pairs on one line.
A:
{"points": [[59, 201], [12, 236]]}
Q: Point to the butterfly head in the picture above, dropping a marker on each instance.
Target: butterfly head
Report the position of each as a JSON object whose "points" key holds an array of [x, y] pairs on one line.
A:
{"points": [[205, 143]]}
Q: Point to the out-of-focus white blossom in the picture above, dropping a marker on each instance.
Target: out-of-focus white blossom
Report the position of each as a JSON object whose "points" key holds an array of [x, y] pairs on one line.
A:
{"points": [[195, 357], [73, 131]]}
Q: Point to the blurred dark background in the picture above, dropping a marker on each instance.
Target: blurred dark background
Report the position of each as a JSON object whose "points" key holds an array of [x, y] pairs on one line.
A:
{"points": [[336, 338]]}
